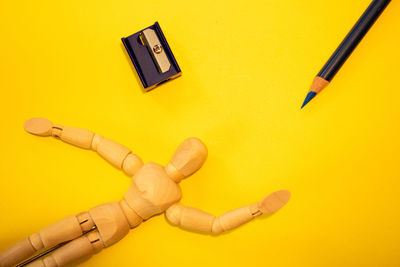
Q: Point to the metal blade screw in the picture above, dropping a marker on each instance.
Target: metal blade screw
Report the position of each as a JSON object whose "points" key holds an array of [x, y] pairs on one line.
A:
{"points": [[157, 49]]}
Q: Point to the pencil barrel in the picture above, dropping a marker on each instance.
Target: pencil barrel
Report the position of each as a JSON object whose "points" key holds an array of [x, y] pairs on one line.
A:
{"points": [[352, 39]]}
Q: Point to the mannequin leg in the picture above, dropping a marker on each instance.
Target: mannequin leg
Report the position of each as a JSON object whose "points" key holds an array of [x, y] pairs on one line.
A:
{"points": [[75, 252], [66, 229]]}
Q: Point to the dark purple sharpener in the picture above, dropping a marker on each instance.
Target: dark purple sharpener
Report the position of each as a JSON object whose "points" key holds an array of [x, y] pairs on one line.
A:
{"points": [[145, 64]]}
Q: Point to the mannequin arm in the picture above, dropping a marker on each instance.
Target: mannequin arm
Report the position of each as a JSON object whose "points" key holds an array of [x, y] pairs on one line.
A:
{"points": [[116, 154], [195, 219]]}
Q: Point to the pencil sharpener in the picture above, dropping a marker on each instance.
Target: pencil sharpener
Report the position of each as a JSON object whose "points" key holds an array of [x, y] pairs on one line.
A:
{"points": [[151, 56]]}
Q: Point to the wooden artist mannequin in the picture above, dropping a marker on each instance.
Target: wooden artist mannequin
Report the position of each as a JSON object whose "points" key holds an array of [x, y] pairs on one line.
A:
{"points": [[154, 189]]}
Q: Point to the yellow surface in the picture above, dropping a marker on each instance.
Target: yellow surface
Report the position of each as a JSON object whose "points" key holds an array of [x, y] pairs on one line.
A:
{"points": [[247, 66]]}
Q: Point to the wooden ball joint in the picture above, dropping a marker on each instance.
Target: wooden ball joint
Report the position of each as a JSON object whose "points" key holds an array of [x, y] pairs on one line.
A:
{"points": [[154, 189]]}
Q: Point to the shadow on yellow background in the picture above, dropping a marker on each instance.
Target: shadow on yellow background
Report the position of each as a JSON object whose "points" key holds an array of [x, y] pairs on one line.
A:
{"points": [[247, 66]]}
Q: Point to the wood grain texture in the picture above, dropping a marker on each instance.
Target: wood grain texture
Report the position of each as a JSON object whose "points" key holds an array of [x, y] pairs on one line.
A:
{"points": [[318, 84], [195, 219], [154, 189]]}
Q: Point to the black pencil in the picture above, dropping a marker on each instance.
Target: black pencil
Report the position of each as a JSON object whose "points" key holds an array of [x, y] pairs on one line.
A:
{"points": [[345, 48]]}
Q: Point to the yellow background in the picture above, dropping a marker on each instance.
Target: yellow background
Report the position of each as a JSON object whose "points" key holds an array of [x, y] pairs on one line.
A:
{"points": [[247, 66]]}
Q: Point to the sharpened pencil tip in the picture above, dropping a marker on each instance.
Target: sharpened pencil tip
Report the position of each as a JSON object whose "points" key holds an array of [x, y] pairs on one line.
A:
{"points": [[309, 96]]}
